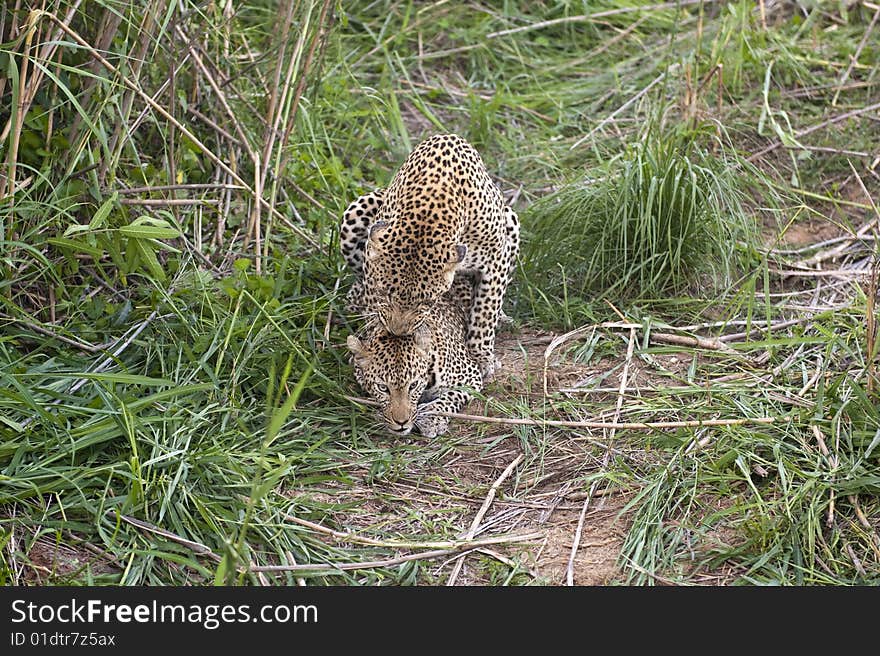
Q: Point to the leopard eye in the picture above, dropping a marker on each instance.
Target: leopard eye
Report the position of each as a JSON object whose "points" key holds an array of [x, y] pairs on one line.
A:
{"points": [[382, 387], [413, 385]]}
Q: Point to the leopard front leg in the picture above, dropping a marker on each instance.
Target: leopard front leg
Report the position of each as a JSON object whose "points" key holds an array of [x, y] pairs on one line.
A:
{"points": [[453, 385], [429, 419], [354, 228]]}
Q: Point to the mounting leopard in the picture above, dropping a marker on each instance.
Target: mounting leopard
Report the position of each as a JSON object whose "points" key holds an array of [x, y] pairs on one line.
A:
{"points": [[440, 216]]}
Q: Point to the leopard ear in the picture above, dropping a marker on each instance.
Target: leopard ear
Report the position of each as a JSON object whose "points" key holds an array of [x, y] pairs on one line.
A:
{"points": [[457, 257], [422, 340], [372, 249], [357, 348]]}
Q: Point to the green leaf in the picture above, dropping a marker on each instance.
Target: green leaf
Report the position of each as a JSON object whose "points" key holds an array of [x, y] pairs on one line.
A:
{"points": [[115, 377], [148, 257], [76, 246], [14, 425], [276, 421], [75, 228], [103, 211], [149, 232]]}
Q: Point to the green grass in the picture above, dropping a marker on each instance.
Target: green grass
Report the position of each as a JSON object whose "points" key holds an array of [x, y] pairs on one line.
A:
{"points": [[661, 217], [180, 363]]}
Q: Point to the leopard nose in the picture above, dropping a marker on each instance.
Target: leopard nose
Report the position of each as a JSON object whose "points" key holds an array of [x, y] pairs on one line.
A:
{"points": [[399, 419], [400, 427], [400, 416]]}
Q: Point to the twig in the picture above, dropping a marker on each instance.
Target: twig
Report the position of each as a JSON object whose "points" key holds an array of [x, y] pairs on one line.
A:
{"points": [[818, 126], [83, 346], [810, 91], [569, 570], [105, 362], [300, 581], [708, 388], [509, 562], [871, 291], [30, 85], [183, 129], [168, 202], [211, 123], [618, 110], [875, 542], [172, 187], [698, 342], [861, 234], [371, 564], [150, 22], [367, 564], [203, 550], [768, 328], [843, 243], [604, 492], [720, 324], [610, 42], [644, 425], [482, 512], [599, 14], [300, 87], [844, 274], [855, 57], [221, 97], [855, 560], [272, 120], [109, 359], [346, 536], [826, 149], [198, 547], [556, 342], [812, 381]]}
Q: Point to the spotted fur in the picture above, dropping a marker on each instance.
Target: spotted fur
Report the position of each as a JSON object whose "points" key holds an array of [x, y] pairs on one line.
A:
{"points": [[416, 377], [441, 216]]}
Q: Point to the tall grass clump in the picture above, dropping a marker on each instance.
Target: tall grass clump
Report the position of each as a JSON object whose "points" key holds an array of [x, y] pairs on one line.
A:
{"points": [[665, 215]]}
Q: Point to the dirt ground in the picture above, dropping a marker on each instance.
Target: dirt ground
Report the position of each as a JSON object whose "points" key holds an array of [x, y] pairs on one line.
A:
{"points": [[544, 495], [554, 504]]}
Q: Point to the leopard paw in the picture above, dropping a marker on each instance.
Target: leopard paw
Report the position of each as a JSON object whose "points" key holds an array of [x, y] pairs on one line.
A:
{"points": [[431, 425]]}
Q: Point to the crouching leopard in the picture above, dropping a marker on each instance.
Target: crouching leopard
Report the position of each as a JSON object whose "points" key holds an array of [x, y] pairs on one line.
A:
{"points": [[417, 377], [441, 215]]}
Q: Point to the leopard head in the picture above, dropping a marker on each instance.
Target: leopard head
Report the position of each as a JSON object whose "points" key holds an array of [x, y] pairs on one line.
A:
{"points": [[402, 289], [395, 371]]}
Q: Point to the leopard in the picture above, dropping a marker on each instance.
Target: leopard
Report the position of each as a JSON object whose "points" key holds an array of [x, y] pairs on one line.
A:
{"points": [[417, 378], [414, 378], [441, 217]]}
